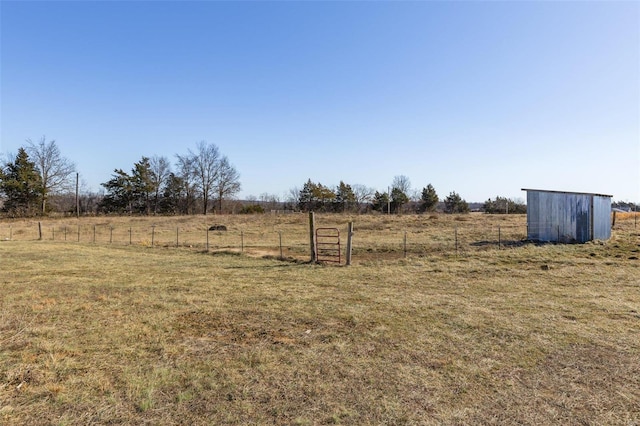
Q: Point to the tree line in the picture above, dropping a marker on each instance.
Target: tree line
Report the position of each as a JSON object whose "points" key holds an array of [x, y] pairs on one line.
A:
{"points": [[199, 181], [203, 179], [39, 179], [360, 198], [399, 198]]}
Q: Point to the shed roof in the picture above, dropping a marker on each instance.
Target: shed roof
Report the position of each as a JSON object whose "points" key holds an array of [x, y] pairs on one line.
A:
{"points": [[567, 192]]}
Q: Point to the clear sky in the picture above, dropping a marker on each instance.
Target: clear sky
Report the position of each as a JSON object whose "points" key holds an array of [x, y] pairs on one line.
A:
{"points": [[481, 98]]}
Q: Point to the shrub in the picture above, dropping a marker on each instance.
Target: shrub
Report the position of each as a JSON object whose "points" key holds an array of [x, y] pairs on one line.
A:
{"points": [[252, 209]]}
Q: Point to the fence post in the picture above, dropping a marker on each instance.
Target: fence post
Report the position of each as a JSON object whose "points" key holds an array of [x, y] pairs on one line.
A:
{"points": [[94, 233], [349, 238], [499, 238], [405, 243], [10, 233], [280, 237], [312, 237], [39, 231], [65, 233], [53, 233], [207, 239], [78, 232], [130, 235], [153, 234], [111, 235], [241, 241], [177, 231], [456, 237]]}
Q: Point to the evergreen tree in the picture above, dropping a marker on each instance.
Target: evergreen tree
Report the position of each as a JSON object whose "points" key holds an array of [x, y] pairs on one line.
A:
{"points": [[315, 197], [305, 196], [142, 186], [381, 201], [174, 197], [455, 204], [324, 197], [398, 199], [345, 198], [504, 205], [21, 184], [119, 196], [429, 199]]}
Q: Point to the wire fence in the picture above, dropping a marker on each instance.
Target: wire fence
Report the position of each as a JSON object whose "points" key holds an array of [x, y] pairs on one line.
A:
{"points": [[287, 236], [289, 242]]}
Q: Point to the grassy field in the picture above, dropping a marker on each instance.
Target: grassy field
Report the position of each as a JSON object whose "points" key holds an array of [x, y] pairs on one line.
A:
{"points": [[378, 237], [112, 333]]}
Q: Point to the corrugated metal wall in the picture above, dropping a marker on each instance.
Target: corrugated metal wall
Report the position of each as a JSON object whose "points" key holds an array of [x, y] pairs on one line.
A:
{"points": [[601, 217], [567, 217]]}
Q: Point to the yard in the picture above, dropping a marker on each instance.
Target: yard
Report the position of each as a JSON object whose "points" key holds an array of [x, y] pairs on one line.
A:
{"points": [[119, 333]]}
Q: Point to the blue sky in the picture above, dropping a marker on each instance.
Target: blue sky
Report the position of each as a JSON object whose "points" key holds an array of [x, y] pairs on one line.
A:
{"points": [[481, 98]]}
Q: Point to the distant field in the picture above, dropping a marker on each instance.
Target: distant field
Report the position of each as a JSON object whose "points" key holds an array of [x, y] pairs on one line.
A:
{"points": [[377, 237], [112, 333]]}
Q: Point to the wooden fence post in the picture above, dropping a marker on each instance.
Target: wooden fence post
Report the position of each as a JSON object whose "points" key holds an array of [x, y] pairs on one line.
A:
{"points": [[349, 238], [456, 236], [39, 231], [280, 237], [312, 237], [405, 243]]}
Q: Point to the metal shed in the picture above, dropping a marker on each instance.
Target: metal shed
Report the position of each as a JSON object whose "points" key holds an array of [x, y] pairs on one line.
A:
{"points": [[567, 217]]}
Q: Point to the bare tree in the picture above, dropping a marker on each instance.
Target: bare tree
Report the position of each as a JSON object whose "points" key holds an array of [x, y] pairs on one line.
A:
{"points": [[160, 171], [56, 170], [400, 191], [402, 183], [227, 182], [270, 201], [292, 196], [363, 194], [187, 179], [205, 162]]}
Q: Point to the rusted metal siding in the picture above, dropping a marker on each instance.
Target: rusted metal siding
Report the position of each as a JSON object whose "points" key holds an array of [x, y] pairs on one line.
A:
{"points": [[567, 216]]}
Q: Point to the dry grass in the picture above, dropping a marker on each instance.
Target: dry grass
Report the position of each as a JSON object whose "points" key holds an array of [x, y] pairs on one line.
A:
{"points": [[378, 237], [118, 334]]}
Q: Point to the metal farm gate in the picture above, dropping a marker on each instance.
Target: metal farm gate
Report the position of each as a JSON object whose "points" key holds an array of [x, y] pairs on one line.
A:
{"points": [[328, 245]]}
